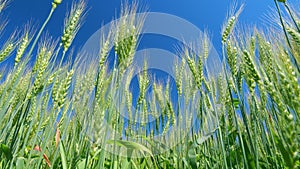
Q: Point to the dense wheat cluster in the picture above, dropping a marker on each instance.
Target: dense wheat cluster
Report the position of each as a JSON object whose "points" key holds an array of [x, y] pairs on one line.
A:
{"points": [[57, 114]]}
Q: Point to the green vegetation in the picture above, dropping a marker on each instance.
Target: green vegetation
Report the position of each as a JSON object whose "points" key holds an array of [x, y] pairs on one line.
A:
{"points": [[247, 117]]}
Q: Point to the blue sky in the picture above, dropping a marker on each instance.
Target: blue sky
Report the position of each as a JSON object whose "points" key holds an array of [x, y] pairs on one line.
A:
{"points": [[208, 14]]}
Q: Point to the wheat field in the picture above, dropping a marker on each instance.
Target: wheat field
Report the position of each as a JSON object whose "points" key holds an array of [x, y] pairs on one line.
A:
{"points": [[70, 114]]}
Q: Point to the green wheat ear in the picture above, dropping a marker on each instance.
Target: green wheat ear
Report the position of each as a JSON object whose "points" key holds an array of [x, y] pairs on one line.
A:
{"points": [[22, 48], [294, 34], [6, 51], [232, 58], [228, 27], [251, 71], [72, 24]]}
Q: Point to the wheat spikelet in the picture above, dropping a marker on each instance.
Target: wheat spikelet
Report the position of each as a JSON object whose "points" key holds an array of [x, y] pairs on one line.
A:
{"points": [[193, 67], [251, 71], [72, 24], [253, 45], [144, 83], [292, 87], [271, 89], [6, 51], [179, 76], [200, 69], [40, 57], [288, 90], [221, 88], [32, 110], [294, 34], [51, 78], [158, 94], [104, 50], [205, 46], [60, 89], [101, 81], [21, 49], [232, 58], [228, 27], [38, 83], [265, 56], [126, 37]]}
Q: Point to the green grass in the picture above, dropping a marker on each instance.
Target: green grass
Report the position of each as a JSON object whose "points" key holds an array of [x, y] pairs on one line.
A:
{"points": [[248, 114]]}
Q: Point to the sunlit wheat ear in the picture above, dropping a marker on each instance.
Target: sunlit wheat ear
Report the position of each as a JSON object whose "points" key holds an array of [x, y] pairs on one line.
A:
{"points": [[229, 25], [179, 76], [291, 71], [21, 49], [271, 89], [189, 56], [45, 51], [100, 83], [41, 54], [232, 58], [60, 90], [8, 47], [172, 112], [38, 83], [25, 40], [128, 29], [295, 35], [23, 44], [289, 78], [166, 109], [72, 24], [6, 51], [206, 45], [104, 48], [251, 71], [285, 83], [265, 55], [143, 83], [157, 94], [221, 88]]}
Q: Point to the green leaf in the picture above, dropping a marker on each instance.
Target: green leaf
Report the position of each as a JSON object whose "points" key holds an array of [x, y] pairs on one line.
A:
{"points": [[115, 164], [192, 158], [156, 145], [250, 159], [285, 154], [20, 163], [202, 139], [130, 145], [7, 152], [81, 164], [63, 155]]}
